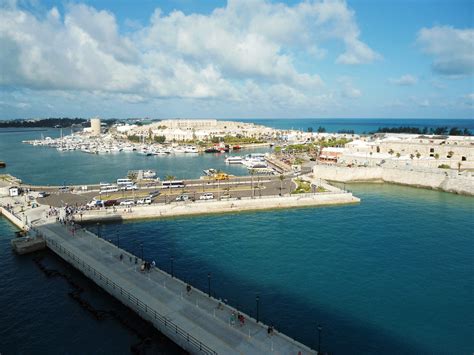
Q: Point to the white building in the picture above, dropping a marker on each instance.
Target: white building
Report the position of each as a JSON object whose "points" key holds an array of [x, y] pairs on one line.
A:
{"points": [[95, 126]]}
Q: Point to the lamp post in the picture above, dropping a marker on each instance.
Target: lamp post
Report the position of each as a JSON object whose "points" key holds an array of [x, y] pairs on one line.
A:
{"points": [[98, 230], [320, 328], [172, 267], [118, 240], [209, 284], [141, 247], [258, 307]]}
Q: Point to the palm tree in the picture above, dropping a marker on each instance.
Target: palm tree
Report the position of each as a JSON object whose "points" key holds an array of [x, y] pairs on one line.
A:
{"points": [[252, 173], [281, 177]]}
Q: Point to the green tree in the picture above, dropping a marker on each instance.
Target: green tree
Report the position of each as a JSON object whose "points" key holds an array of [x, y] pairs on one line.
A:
{"points": [[282, 178]]}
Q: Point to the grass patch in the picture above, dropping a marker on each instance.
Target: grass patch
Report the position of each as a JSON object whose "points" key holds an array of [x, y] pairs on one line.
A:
{"points": [[302, 187]]}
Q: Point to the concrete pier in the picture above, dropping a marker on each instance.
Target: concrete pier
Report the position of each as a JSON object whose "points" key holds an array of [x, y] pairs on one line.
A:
{"points": [[337, 197], [196, 322]]}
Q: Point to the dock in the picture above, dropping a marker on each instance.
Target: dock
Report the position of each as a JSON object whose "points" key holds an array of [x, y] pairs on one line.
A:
{"points": [[198, 323]]}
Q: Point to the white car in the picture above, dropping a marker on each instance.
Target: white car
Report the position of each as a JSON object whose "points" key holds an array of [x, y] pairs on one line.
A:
{"points": [[127, 203], [182, 198], [207, 196], [142, 201]]}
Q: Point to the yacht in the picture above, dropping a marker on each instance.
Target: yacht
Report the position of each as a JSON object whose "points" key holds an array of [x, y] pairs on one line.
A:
{"points": [[234, 160], [191, 149], [178, 149], [210, 172]]}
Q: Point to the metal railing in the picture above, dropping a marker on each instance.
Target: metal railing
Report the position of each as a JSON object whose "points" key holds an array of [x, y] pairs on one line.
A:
{"points": [[157, 317]]}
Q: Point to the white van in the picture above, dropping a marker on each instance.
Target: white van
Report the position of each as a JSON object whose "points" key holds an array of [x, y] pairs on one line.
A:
{"points": [[207, 196]]}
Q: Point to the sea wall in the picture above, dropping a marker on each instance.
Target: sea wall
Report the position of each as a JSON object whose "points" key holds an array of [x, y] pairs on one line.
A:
{"points": [[213, 207], [13, 219], [445, 180]]}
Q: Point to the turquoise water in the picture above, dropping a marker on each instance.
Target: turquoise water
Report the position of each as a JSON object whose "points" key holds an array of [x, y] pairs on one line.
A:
{"points": [[43, 165], [391, 275]]}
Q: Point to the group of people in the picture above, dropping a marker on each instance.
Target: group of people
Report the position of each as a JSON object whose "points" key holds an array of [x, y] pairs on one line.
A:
{"points": [[237, 316], [146, 266]]}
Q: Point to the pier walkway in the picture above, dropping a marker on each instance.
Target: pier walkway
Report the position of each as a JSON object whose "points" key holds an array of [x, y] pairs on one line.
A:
{"points": [[196, 322]]}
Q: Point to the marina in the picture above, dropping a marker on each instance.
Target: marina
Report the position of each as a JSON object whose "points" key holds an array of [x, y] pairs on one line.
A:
{"points": [[93, 189]]}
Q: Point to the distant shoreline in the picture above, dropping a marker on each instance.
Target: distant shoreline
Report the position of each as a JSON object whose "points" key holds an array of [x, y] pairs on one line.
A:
{"points": [[5, 130]]}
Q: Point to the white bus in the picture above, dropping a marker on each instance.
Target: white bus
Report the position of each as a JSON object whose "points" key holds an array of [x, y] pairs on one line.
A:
{"points": [[121, 182], [173, 184], [108, 189]]}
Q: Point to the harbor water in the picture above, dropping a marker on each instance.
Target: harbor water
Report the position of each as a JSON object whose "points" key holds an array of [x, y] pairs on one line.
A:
{"points": [[391, 275]]}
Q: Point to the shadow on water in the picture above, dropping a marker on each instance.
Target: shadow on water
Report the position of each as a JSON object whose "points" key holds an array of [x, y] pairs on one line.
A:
{"points": [[297, 318], [102, 307]]}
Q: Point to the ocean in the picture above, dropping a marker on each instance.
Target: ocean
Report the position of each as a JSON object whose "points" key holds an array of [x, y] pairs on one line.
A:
{"points": [[390, 275]]}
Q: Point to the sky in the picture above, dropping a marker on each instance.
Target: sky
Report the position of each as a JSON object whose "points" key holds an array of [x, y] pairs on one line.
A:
{"points": [[237, 59]]}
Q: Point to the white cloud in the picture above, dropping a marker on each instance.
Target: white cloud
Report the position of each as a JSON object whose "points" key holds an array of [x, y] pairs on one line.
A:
{"points": [[347, 88], [404, 80], [244, 50], [452, 49]]}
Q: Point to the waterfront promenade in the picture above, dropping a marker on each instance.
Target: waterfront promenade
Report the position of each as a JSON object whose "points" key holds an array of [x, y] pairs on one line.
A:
{"points": [[195, 321]]}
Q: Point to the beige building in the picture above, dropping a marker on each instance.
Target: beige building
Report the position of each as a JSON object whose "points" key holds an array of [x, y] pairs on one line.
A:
{"points": [[95, 126], [428, 151]]}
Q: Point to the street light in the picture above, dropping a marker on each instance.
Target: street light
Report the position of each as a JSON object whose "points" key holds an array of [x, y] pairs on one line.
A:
{"points": [[172, 267], [141, 246], [98, 230], [118, 240], [209, 284], [320, 328], [258, 304]]}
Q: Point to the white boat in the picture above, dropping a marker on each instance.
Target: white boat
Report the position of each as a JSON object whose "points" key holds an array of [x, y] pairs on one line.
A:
{"points": [[191, 149], [210, 172], [178, 149], [149, 174], [234, 160]]}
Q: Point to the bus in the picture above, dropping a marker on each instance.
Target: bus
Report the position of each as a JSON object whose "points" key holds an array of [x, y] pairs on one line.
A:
{"points": [[121, 182], [173, 184], [109, 188]]}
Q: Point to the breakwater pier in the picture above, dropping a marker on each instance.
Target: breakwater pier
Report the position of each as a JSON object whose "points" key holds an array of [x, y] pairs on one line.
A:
{"points": [[193, 319]]}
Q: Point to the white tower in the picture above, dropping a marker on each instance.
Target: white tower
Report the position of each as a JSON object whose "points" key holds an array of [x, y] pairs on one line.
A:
{"points": [[95, 126]]}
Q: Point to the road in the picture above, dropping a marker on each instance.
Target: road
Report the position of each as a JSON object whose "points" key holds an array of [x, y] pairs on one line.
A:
{"points": [[233, 188]]}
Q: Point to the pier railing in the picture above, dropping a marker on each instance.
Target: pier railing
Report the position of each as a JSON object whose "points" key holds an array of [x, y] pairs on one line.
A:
{"points": [[143, 307]]}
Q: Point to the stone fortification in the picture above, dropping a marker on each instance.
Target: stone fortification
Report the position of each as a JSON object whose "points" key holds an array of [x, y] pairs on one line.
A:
{"points": [[445, 180]]}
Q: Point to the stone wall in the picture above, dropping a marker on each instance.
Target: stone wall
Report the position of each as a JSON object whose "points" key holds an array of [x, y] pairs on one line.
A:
{"points": [[211, 207], [445, 180]]}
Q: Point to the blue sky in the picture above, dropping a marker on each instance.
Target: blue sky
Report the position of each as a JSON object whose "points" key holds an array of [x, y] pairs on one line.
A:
{"points": [[249, 59]]}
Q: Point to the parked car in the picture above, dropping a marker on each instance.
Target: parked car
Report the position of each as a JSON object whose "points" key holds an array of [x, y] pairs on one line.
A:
{"points": [[109, 203], [207, 196], [43, 194], [64, 189], [127, 203], [95, 203], [182, 198], [146, 200]]}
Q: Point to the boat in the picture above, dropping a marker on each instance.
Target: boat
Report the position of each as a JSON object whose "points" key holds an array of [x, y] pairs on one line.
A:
{"points": [[3, 164], [178, 149], [212, 150], [234, 160], [149, 174], [210, 172], [191, 149], [236, 147]]}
